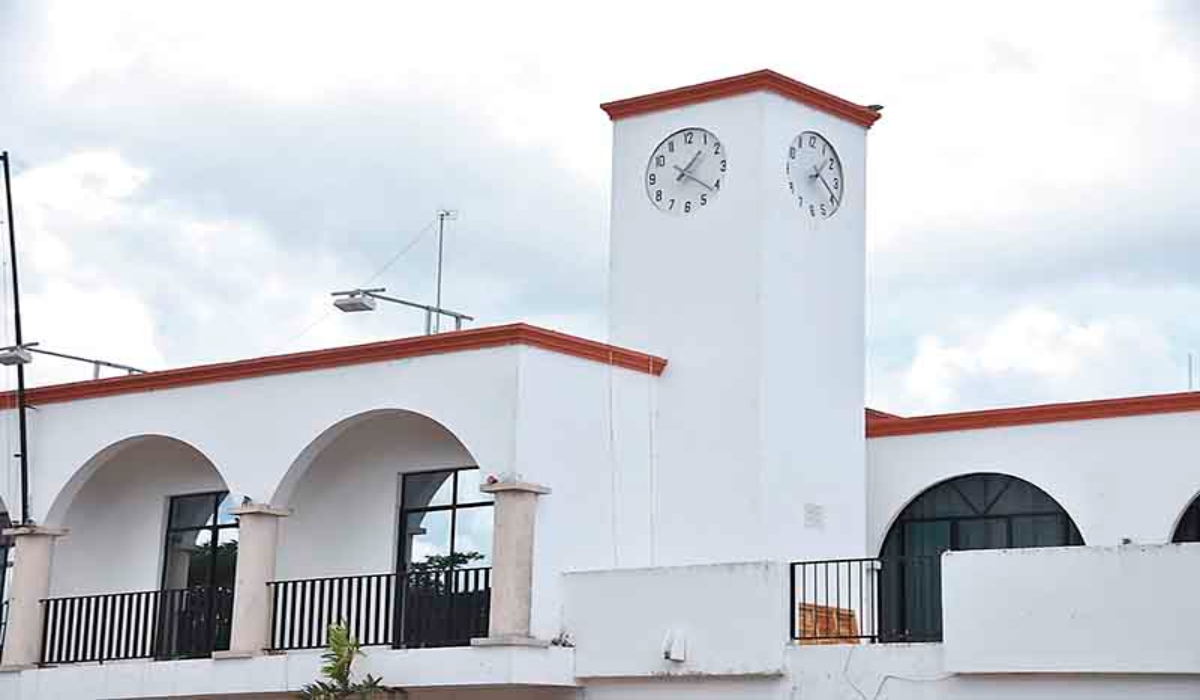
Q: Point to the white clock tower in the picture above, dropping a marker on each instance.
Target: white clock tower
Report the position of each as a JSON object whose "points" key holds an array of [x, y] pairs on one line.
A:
{"points": [[738, 253]]}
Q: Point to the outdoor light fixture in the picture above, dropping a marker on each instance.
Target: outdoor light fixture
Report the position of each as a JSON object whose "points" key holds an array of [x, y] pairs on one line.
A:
{"points": [[356, 300], [15, 355], [352, 300]]}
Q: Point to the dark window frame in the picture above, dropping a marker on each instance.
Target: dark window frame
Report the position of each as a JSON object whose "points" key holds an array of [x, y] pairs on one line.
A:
{"points": [[453, 506], [215, 530]]}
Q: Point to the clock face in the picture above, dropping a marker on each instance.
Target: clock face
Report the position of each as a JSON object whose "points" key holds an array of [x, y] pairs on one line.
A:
{"points": [[686, 172], [814, 174]]}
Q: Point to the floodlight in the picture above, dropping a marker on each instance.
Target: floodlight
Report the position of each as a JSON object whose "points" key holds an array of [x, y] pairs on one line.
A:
{"points": [[355, 301], [14, 356]]}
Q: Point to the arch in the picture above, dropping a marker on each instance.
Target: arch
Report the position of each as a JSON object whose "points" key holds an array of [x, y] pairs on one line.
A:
{"points": [[352, 474], [1187, 527], [983, 510], [70, 490], [989, 499], [299, 466], [116, 506]]}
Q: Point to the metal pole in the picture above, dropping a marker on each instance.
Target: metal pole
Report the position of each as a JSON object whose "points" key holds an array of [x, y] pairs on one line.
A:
{"points": [[437, 323], [12, 253]]}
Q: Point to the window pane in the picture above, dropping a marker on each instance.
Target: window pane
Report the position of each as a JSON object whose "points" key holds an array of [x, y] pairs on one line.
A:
{"points": [[427, 538], [193, 511], [1023, 497], [226, 557], [228, 503], [469, 482], [982, 534], [926, 539], [188, 559], [473, 536], [428, 489], [939, 502], [1040, 531]]}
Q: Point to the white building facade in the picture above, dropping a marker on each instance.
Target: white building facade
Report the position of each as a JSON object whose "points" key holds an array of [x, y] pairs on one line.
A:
{"points": [[700, 509]]}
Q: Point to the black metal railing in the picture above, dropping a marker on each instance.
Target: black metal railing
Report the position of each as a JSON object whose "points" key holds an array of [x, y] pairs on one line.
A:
{"points": [[163, 624], [848, 601], [413, 609]]}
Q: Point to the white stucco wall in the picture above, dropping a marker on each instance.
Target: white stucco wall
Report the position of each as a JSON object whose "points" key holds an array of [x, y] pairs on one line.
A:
{"points": [[1118, 478], [1130, 609], [727, 620]]}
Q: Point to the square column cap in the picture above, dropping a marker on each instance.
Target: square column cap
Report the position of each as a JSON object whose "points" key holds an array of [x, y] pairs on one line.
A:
{"points": [[521, 486]]}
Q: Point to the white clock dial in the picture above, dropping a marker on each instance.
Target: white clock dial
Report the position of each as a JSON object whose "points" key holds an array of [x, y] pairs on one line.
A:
{"points": [[814, 174], [686, 172]]}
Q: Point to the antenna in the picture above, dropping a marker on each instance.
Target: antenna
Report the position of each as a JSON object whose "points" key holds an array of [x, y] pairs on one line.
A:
{"points": [[442, 215]]}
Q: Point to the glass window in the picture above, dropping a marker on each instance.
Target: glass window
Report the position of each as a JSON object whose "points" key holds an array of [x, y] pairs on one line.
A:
{"points": [[201, 542], [447, 522], [428, 489], [199, 566]]}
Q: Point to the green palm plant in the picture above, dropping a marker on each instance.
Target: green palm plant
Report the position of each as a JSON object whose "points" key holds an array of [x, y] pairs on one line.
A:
{"points": [[337, 681]]}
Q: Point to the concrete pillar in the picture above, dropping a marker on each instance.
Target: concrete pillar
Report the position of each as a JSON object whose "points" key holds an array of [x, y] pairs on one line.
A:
{"points": [[30, 584], [512, 563], [258, 532]]}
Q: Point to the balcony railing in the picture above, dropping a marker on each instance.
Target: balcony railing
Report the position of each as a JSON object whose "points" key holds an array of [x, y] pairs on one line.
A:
{"points": [[852, 601], [163, 624], [414, 609]]}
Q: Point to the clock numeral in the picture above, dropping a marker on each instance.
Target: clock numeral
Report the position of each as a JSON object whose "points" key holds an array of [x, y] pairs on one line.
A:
{"points": [[812, 211], [792, 152], [836, 183], [687, 207], [717, 150], [703, 199], [812, 141], [688, 138], [660, 161], [722, 165], [705, 134], [671, 205], [658, 196], [653, 178], [717, 185], [671, 145], [832, 164], [823, 213], [800, 201]]}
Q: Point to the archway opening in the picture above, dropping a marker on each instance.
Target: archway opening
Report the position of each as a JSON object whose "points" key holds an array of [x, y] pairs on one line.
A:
{"points": [[975, 511], [150, 551], [385, 502]]}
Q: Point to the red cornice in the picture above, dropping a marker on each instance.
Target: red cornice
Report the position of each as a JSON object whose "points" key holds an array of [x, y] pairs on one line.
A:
{"points": [[474, 339], [1032, 415], [767, 80]]}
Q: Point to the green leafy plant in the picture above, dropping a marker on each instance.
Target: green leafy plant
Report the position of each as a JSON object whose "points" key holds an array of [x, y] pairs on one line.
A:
{"points": [[337, 681]]}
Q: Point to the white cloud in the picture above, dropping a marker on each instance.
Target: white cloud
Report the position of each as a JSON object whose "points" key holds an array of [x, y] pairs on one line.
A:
{"points": [[1034, 355]]}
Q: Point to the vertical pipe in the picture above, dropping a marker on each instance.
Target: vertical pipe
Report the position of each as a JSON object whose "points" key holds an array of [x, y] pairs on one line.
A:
{"points": [[19, 338]]}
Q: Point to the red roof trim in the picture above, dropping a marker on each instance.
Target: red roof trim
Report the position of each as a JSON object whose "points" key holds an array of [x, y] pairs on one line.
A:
{"points": [[767, 80], [1033, 415], [474, 339]]}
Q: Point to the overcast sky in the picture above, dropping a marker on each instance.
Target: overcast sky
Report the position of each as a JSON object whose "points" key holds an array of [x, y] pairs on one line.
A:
{"points": [[192, 179]]}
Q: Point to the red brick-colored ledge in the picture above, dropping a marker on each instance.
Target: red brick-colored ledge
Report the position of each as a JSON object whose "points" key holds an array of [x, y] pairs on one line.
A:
{"points": [[474, 339], [763, 80], [1032, 415]]}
